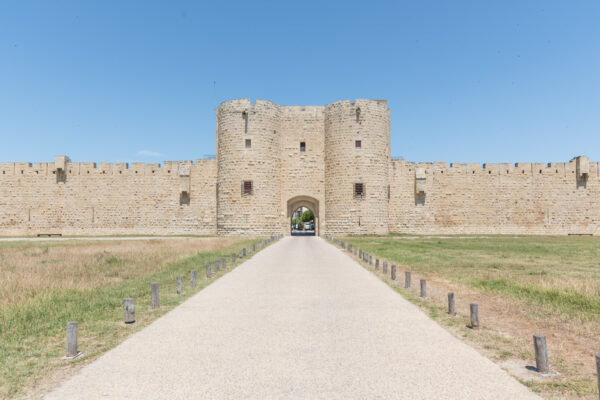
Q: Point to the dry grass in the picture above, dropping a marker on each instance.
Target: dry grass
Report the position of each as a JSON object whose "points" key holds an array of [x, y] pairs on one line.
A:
{"points": [[523, 285], [33, 269], [46, 284]]}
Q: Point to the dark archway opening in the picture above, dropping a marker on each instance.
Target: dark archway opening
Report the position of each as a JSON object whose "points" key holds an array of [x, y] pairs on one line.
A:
{"points": [[302, 222]]}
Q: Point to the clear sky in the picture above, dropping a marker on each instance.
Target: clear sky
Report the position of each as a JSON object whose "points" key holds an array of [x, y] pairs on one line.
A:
{"points": [[466, 81]]}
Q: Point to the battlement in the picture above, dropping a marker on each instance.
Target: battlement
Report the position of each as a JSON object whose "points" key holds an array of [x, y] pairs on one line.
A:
{"points": [[248, 105], [403, 167], [101, 168]]}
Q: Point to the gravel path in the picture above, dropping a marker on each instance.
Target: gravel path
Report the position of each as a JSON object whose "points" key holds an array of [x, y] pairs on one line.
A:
{"points": [[300, 320]]}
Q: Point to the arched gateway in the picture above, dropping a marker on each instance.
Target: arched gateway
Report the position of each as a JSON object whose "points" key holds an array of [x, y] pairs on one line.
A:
{"points": [[304, 201]]}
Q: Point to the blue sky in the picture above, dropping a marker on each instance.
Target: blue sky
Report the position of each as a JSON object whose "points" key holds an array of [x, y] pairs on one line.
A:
{"points": [[466, 81]]}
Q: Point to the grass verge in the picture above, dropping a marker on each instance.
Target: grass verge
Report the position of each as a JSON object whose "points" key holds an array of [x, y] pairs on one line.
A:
{"points": [[86, 283], [523, 285]]}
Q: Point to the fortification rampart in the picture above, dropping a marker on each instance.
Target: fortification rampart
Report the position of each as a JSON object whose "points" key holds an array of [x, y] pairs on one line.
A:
{"points": [[270, 159], [107, 198], [527, 198]]}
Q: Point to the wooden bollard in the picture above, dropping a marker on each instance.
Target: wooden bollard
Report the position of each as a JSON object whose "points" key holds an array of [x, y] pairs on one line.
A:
{"points": [[129, 310], [377, 263], [233, 258], [244, 252], [474, 315], [598, 368], [407, 280], [355, 251], [193, 278], [541, 354], [423, 288], [179, 285], [241, 254], [72, 339], [223, 265], [208, 272], [217, 265], [385, 267], [451, 304], [360, 254], [393, 272], [155, 296], [370, 259]]}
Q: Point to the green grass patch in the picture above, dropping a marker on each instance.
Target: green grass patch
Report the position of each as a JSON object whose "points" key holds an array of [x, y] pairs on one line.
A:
{"points": [[560, 273]]}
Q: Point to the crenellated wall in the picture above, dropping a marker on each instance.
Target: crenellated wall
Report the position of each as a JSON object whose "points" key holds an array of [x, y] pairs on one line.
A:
{"points": [[524, 198], [107, 198], [207, 196]]}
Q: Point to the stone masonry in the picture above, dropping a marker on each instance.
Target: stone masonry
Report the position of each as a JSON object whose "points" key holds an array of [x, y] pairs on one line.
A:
{"points": [[272, 159]]}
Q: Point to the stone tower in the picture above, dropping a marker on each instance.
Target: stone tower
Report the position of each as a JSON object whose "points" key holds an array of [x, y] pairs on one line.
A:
{"points": [[248, 164], [357, 157]]}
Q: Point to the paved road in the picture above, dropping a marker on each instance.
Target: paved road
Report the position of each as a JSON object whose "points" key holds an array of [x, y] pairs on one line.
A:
{"points": [[300, 320]]}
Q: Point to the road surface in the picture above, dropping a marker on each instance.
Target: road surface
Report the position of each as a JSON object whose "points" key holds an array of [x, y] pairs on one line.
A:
{"points": [[299, 320]]}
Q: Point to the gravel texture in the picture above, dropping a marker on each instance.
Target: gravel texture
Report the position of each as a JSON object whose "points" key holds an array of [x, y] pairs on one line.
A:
{"points": [[300, 319]]}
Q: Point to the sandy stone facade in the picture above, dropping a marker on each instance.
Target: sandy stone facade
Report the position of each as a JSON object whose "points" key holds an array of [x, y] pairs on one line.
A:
{"points": [[272, 159]]}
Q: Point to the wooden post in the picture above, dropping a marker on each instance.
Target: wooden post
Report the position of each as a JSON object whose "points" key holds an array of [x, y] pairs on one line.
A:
{"points": [[179, 285], [193, 279], [208, 273], [541, 354], [155, 296], [598, 368], [393, 272], [423, 288], [407, 280], [385, 267], [370, 259], [71, 339], [244, 252], [223, 265], [360, 254], [129, 310], [233, 258], [474, 315], [217, 265], [377, 263], [451, 304]]}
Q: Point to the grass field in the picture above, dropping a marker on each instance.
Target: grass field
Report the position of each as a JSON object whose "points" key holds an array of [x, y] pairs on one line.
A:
{"points": [[523, 285], [46, 284]]}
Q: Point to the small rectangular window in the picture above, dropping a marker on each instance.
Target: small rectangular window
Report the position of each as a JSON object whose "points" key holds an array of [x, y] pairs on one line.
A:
{"points": [[302, 146], [248, 143], [359, 190], [247, 188], [184, 199], [358, 144]]}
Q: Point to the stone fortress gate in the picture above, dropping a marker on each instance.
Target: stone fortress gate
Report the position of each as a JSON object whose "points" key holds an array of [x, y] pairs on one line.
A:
{"points": [[272, 159]]}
